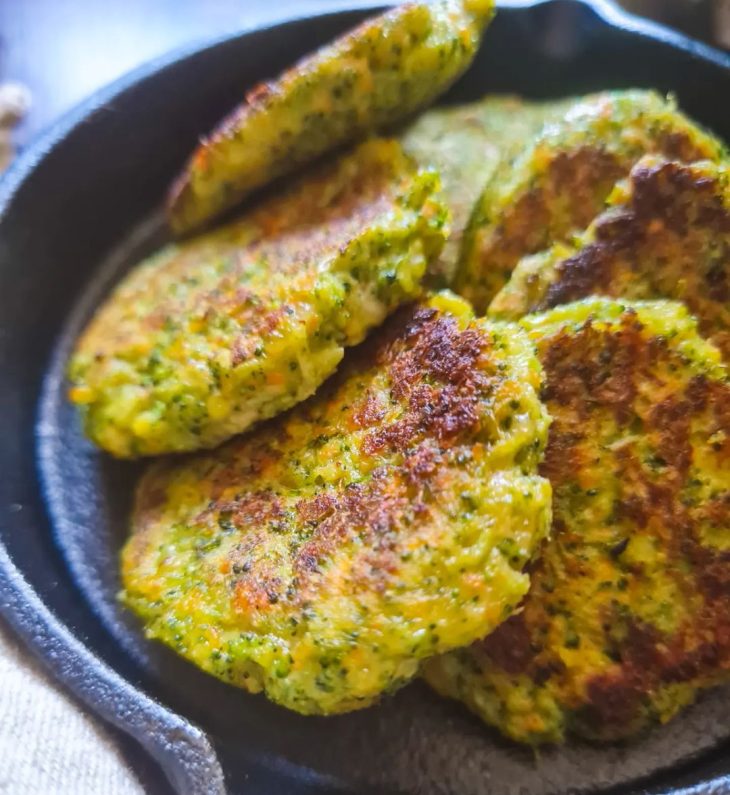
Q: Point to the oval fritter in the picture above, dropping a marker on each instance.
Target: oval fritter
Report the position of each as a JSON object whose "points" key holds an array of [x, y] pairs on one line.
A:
{"points": [[628, 613], [387, 519], [667, 235], [466, 144], [374, 76], [208, 337], [559, 185]]}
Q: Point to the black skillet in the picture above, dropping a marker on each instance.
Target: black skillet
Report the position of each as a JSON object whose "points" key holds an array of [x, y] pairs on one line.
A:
{"points": [[75, 210]]}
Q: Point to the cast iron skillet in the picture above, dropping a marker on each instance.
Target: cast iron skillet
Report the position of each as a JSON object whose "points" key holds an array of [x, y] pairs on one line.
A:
{"points": [[75, 210]]}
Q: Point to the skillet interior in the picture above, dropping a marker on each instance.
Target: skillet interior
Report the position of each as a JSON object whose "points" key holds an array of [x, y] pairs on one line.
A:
{"points": [[64, 237]]}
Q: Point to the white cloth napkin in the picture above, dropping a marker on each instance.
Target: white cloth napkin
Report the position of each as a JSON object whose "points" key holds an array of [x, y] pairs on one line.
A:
{"points": [[48, 746]]}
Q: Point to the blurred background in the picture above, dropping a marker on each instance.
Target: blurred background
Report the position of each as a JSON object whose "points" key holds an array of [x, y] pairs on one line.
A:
{"points": [[62, 50]]}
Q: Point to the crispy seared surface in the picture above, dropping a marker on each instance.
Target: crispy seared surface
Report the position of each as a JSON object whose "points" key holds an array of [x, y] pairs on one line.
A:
{"points": [[374, 76], [667, 235], [628, 613], [387, 519], [558, 186], [209, 336], [466, 144]]}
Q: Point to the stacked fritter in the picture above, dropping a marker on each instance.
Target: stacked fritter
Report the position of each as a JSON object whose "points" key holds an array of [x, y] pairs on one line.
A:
{"points": [[665, 233], [385, 520], [627, 615], [561, 182], [412, 511], [210, 336]]}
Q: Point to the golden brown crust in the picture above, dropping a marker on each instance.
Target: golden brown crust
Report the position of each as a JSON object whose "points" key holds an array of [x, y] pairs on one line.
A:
{"points": [[628, 613], [439, 375], [577, 181], [382, 521], [667, 236], [678, 217], [555, 188], [207, 337], [380, 72], [590, 373], [442, 382]]}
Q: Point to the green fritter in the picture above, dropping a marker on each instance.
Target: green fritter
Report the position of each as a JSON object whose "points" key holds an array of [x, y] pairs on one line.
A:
{"points": [[628, 613], [559, 185], [466, 144], [323, 556], [666, 235], [372, 77], [207, 337]]}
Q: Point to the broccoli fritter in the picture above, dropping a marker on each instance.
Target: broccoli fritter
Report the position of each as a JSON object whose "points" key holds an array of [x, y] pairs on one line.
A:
{"points": [[208, 337], [466, 144], [387, 519], [561, 183], [666, 235], [628, 613], [372, 77]]}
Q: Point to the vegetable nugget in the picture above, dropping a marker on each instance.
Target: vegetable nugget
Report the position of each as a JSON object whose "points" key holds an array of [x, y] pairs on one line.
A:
{"points": [[210, 336], [323, 556], [628, 614], [373, 77]]}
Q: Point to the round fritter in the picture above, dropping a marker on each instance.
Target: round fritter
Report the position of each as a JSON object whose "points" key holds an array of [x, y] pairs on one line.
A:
{"points": [[373, 76], [210, 336], [466, 144], [385, 520], [559, 185], [667, 235], [628, 613]]}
